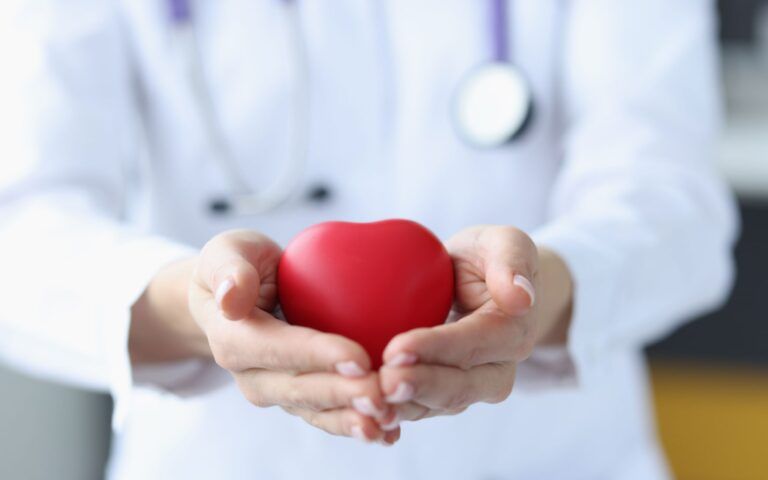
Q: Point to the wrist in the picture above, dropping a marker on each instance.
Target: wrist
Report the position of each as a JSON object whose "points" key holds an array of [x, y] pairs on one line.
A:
{"points": [[556, 295], [162, 327]]}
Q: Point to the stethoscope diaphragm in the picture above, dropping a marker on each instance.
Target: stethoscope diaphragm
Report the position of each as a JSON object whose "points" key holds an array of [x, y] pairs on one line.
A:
{"points": [[492, 105]]}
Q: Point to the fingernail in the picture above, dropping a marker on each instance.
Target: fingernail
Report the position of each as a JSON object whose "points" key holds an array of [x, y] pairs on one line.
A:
{"points": [[357, 432], [392, 424], [403, 393], [402, 359], [350, 369], [526, 285], [224, 288], [366, 406]]}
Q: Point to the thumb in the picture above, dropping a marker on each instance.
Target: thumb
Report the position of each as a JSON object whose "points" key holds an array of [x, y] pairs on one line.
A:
{"points": [[511, 264], [239, 269]]}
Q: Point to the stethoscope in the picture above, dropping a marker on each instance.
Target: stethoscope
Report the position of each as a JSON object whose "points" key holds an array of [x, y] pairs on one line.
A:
{"points": [[492, 107]]}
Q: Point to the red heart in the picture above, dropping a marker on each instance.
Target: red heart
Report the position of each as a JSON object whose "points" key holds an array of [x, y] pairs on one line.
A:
{"points": [[366, 281]]}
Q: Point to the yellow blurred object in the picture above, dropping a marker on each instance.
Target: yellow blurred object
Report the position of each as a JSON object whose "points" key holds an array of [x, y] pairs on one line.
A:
{"points": [[713, 420]]}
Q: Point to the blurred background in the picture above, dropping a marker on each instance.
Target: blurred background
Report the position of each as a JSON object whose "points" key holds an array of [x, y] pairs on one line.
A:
{"points": [[710, 378]]}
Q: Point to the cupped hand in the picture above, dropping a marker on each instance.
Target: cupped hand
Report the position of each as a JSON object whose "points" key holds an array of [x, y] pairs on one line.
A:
{"points": [[323, 378], [443, 370]]}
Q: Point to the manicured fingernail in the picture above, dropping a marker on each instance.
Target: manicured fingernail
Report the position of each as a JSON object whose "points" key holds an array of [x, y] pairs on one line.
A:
{"points": [[366, 406], [402, 359], [224, 288], [392, 424], [357, 432], [403, 393], [350, 369], [526, 285]]}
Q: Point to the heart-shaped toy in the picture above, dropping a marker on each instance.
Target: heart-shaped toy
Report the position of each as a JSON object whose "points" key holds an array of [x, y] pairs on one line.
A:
{"points": [[366, 281]]}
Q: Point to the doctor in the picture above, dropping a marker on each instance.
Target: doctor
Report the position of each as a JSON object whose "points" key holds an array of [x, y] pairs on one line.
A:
{"points": [[580, 206]]}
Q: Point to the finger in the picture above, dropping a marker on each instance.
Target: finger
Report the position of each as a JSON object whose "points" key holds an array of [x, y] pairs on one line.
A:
{"points": [[506, 259], [345, 422], [412, 412], [447, 389], [391, 437], [484, 336], [262, 341], [313, 391], [239, 268], [511, 266], [404, 412]]}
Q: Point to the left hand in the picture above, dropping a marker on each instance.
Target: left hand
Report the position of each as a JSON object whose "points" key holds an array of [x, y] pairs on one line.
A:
{"points": [[443, 370]]}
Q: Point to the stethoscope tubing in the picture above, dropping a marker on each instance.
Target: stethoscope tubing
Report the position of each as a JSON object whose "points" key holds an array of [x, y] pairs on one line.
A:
{"points": [[499, 21], [243, 199]]}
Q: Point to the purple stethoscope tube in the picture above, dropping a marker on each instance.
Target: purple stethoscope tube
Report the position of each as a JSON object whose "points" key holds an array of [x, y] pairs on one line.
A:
{"points": [[180, 12], [499, 18]]}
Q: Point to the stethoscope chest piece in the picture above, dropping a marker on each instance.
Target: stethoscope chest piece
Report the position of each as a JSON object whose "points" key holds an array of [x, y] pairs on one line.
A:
{"points": [[492, 105]]}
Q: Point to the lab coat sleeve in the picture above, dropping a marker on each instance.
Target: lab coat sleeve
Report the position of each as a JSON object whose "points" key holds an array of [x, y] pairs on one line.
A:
{"points": [[71, 266], [638, 212]]}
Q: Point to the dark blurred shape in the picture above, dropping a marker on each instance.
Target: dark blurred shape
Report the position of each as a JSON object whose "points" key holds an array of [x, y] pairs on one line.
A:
{"points": [[737, 19], [219, 206], [739, 331], [50, 431], [319, 193]]}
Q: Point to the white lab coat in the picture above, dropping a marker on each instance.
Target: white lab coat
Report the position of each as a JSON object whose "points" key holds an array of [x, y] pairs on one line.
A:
{"points": [[106, 170]]}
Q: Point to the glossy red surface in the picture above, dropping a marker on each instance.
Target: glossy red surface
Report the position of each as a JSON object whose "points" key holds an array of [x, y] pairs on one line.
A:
{"points": [[366, 281]]}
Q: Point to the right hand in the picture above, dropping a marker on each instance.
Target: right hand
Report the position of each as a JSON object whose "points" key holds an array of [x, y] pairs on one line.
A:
{"points": [[323, 378]]}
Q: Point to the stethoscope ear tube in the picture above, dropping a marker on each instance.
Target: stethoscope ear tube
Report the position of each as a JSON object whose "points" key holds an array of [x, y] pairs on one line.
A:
{"points": [[493, 106], [244, 200]]}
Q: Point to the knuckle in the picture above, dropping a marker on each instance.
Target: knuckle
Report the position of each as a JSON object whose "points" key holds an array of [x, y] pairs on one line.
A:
{"points": [[400, 342], [307, 415], [259, 400], [290, 409], [367, 387], [269, 357], [470, 357], [226, 358], [509, 231], [339, 396], [524, 349], [504, 386], [224, 348], [218, 241], [413, 340], [519, 340], [389, 378], [330, 349], [294, 395], [456, 411], [502, 393], [524, 339], [421, 414], [417, 376], [255, 396], [457, 400], [518, 236]]}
